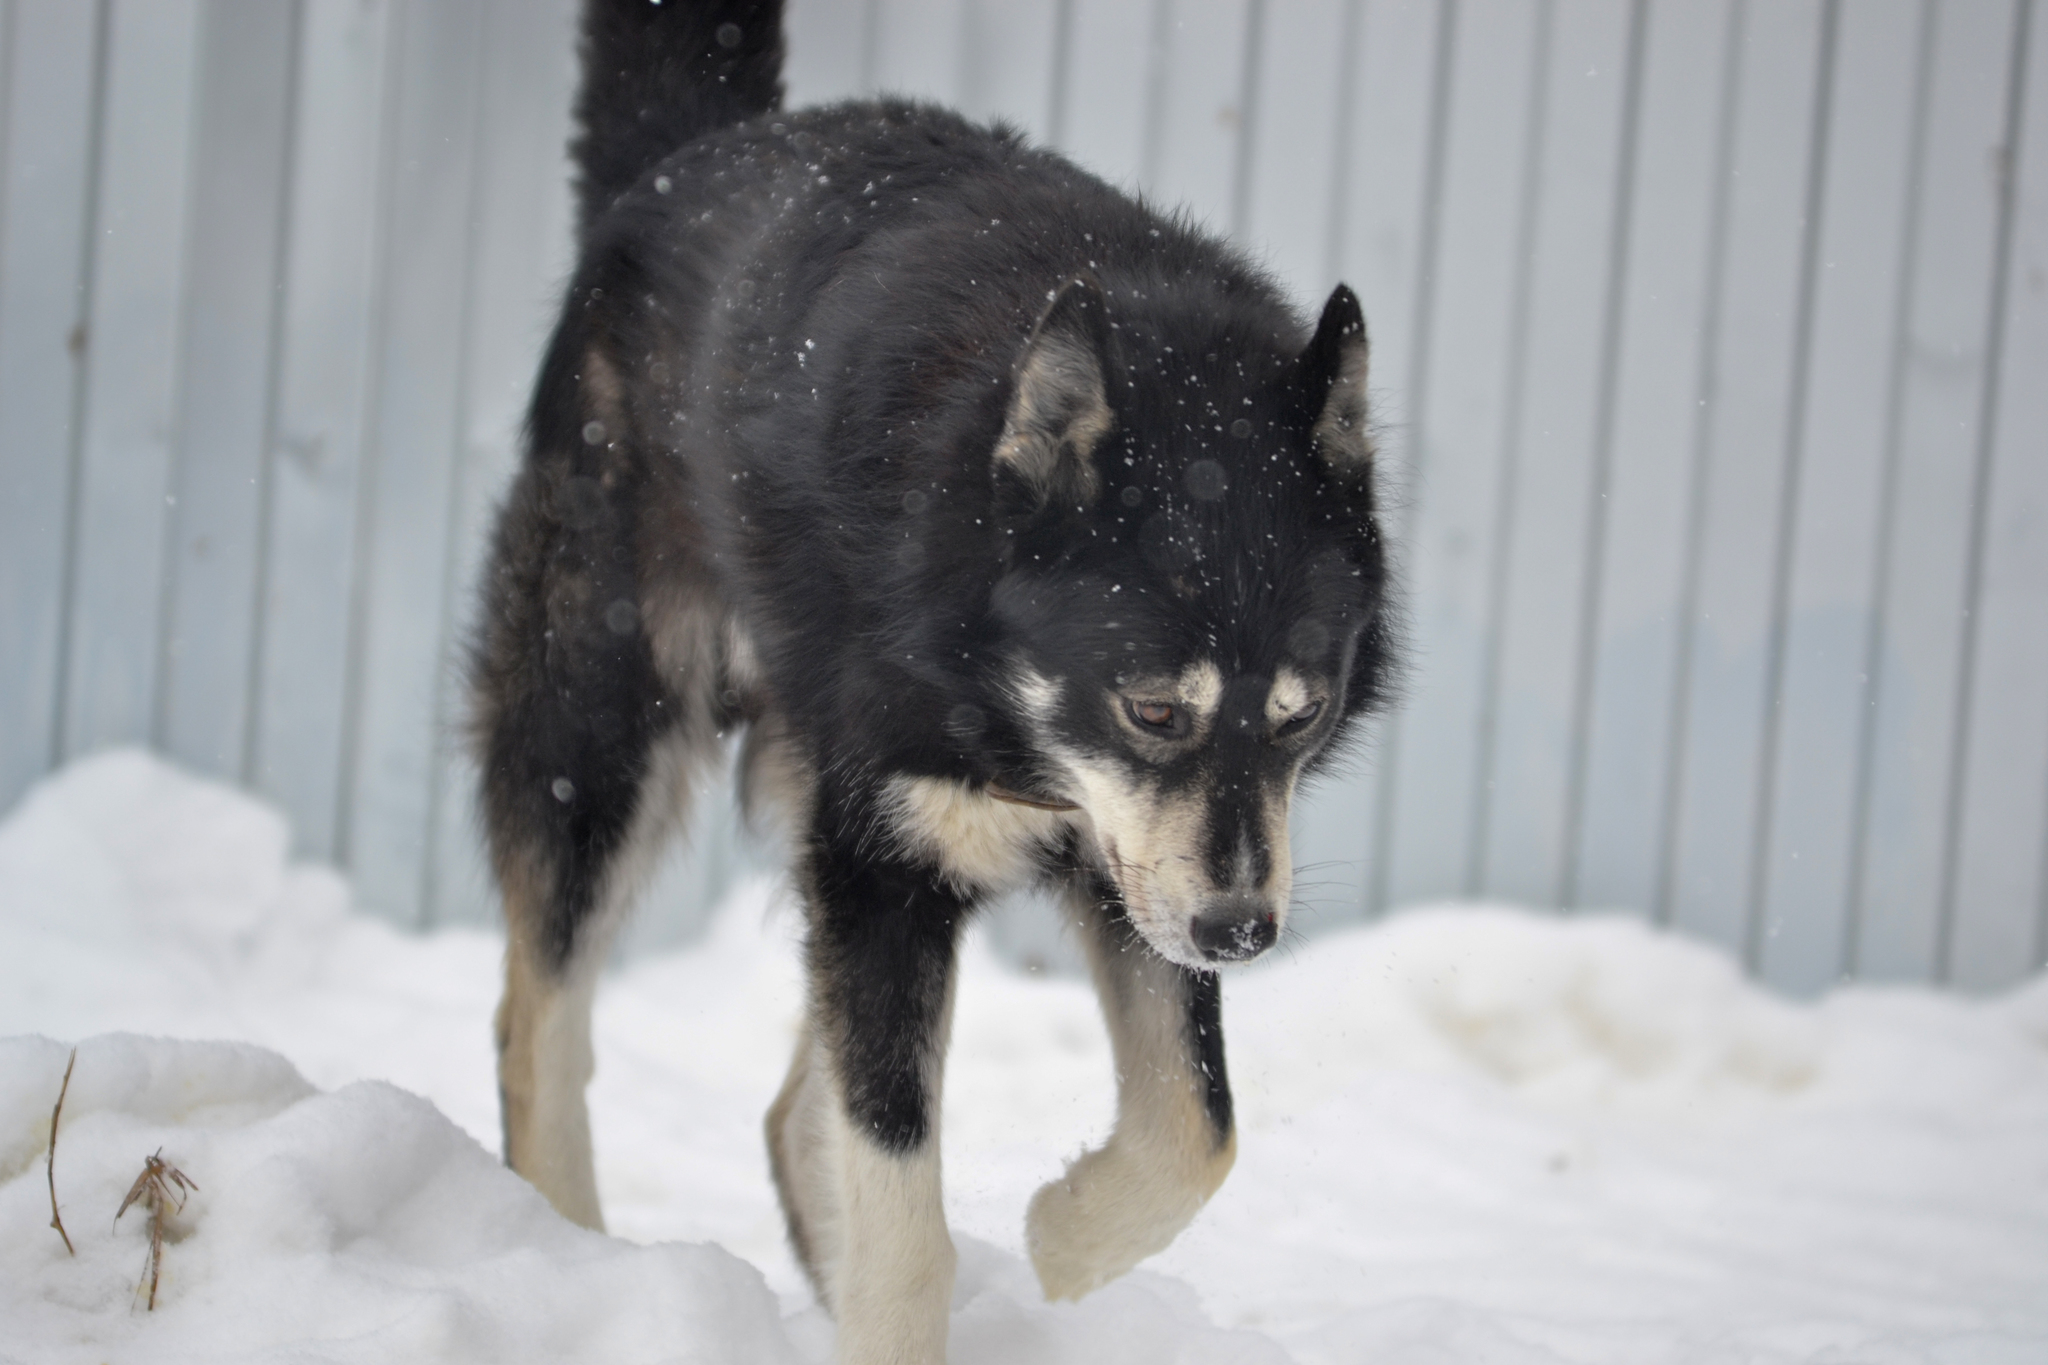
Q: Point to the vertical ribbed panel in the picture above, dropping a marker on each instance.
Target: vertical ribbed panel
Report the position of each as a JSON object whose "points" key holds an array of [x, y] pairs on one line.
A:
{"points": [[1708, 343]]}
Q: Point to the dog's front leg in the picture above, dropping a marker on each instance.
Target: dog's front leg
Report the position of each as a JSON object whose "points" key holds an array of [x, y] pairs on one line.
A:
{"points": [[1174, 1140], [854, 1137]]}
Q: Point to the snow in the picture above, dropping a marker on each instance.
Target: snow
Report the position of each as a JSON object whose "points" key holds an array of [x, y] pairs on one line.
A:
{"points": [[1468, 1134]]}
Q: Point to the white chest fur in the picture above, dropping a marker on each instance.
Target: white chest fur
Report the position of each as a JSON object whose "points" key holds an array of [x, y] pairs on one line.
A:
{"points": [[979, 842]]}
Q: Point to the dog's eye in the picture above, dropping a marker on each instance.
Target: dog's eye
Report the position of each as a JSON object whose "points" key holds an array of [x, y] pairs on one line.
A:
{"points": [[1300, 719], [1153, 715]]}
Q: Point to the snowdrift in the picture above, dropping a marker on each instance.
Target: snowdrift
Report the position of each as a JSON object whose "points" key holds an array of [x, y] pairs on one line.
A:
{"points": [[1468, 1134]]}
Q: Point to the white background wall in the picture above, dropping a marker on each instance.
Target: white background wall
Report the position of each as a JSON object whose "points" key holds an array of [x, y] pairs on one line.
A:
{"points": [[1711, 343]]}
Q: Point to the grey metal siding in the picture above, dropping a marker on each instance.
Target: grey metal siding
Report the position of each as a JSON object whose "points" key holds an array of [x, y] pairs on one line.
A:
{"points": [[1710, 337]]}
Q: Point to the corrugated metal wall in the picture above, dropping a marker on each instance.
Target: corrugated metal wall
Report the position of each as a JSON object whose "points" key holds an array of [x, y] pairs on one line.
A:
{"points": [[1711, 342]]}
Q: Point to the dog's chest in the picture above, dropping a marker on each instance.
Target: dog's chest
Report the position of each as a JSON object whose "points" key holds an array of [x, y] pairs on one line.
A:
{"points": [[979, 842]]}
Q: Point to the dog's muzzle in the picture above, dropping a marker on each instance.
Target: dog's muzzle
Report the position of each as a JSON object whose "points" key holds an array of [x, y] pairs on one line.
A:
{"points": [[1236, 930]]}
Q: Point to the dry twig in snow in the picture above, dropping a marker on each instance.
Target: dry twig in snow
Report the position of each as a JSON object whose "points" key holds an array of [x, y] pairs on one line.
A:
{"points": [[159, 1184], [50, 1161]]}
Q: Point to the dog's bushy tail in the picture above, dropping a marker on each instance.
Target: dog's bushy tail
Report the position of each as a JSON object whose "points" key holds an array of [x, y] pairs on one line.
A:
{"points": [[660, 73]]}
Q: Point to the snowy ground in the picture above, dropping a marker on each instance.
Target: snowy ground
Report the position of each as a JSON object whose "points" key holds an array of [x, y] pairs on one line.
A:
{"points": [[1467, 1135]]}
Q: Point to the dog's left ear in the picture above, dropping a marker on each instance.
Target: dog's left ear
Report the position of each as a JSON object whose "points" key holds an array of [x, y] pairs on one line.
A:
{"points": [[1059, 402], [1332, 378]]}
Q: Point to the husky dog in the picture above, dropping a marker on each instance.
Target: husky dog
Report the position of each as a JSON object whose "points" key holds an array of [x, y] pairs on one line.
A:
{"points": [[1028, 537]]}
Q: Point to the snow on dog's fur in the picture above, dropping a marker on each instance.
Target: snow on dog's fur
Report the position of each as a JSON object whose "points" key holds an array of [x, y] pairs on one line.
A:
{"points": [[1028, 534]]}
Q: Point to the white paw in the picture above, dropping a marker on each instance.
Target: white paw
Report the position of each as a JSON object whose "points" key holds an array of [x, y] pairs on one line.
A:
{"points": [[1110, 1211]]}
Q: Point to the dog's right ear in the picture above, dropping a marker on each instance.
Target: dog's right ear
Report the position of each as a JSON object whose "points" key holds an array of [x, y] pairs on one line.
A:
{"points": [[1059, 399]]}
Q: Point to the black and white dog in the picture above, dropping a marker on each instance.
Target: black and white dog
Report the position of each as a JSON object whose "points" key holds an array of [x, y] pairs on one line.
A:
{"points": [[1028, 536]]}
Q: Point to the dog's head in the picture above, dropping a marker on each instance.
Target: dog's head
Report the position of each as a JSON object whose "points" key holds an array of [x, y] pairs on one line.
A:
{"points": [[1192, 609]]}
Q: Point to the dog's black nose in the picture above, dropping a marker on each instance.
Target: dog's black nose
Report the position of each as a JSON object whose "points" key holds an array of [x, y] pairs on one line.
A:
{"points": [[1234, 935]]}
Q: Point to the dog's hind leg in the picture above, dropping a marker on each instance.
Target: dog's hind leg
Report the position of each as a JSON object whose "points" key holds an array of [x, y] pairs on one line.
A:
{"points": [[594, 691], [853, 1138], [544, 1064], [553, 956], [566, 892], [1174, 1140]]}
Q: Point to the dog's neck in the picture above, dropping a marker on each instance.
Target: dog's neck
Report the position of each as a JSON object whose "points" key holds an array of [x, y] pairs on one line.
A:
{"points": [[1002, 793]]}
